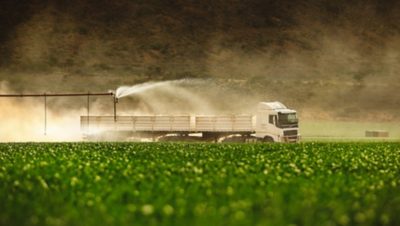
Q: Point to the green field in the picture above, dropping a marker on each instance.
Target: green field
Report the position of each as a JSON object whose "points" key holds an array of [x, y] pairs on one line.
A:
{"points": [[347, 130], [199, 184]]}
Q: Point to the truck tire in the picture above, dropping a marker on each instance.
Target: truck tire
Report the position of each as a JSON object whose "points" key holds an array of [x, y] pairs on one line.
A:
{"points": [[232, 139], [268, 139]]}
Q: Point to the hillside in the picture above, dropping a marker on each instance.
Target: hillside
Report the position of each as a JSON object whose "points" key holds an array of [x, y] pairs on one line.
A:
{"points": [[312, 55]]}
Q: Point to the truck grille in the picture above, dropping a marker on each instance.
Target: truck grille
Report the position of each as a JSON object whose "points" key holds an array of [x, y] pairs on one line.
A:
{"points": [[290, 132]]}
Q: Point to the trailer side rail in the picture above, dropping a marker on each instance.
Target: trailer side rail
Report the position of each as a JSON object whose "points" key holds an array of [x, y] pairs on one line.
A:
{"points": [[234, 123]]}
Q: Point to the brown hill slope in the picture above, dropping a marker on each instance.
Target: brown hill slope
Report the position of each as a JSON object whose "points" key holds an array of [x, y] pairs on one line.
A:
{"points": [[309, 54]]}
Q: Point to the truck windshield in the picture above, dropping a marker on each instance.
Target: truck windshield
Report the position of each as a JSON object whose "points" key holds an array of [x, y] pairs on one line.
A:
{"points": [[286, 120]]}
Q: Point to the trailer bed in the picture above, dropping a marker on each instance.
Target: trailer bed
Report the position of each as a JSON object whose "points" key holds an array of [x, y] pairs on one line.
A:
{"points": [[163, 123]]}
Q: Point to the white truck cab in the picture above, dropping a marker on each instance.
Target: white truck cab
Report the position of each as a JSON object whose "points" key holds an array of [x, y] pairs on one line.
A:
{"points": [[276, 123]]}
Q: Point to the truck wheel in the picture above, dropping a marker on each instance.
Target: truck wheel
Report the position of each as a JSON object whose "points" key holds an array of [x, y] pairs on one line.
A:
{"points": [[268, 139]]}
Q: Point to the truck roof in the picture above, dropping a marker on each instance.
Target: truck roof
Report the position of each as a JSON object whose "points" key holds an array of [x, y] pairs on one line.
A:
{"points": [[271, 105], [276, 106]]}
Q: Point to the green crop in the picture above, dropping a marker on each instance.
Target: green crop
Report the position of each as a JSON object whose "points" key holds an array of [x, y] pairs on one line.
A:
{"points": [[199, 184]]}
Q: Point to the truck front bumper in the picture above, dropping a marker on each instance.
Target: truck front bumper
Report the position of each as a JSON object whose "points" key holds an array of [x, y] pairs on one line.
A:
{"points": [[291, 139]]}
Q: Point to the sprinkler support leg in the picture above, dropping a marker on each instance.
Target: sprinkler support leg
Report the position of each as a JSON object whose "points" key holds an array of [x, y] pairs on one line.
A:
{"points": [[115, 108]]}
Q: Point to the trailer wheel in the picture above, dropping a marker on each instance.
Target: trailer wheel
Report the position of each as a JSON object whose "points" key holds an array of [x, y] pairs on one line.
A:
{"points": [[268, 139], [234, 138]]}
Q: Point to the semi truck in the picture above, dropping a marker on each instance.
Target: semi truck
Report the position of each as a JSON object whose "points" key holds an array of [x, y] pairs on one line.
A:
{"points": [[273, 122]]}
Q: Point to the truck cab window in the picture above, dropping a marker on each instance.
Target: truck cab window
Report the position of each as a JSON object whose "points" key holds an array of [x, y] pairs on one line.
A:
{"points": [[287, 120], [271, 119]]}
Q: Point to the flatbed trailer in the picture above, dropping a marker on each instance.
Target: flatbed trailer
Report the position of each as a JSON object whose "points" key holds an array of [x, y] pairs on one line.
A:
{"points": [[264, 126]]}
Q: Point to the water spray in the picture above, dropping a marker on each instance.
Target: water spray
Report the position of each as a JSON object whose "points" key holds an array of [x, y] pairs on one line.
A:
{"points": [[125, 91]]}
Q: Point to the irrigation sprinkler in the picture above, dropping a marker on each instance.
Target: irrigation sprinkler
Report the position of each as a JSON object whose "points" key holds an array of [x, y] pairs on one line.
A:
{"points": [[45, 95]]}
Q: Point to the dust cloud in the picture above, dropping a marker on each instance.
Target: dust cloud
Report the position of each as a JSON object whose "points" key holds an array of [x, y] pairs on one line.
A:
{"points": [[23, 120]]}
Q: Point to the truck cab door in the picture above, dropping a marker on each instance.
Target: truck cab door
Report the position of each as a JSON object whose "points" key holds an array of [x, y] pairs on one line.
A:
{"points": [[271, 119], [266, 124]]}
